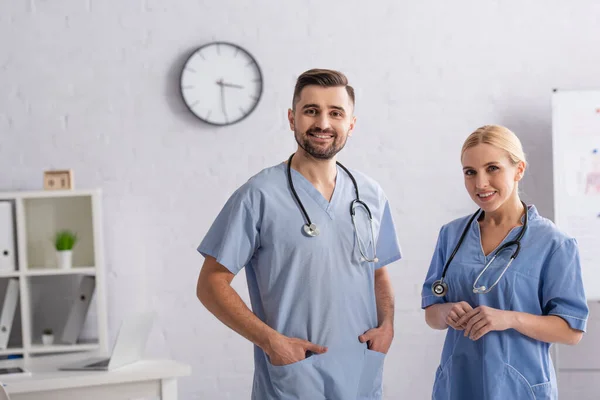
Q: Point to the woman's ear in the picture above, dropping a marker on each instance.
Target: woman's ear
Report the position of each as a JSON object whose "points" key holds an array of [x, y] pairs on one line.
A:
{"points": [[521, 167]]}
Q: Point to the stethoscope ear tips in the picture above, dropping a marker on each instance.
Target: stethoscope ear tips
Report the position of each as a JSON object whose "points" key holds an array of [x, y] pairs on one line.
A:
{"points": [[480, 289]]}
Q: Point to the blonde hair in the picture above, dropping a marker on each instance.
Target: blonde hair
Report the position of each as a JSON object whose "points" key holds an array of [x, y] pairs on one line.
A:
{"points": [[498, 136]]}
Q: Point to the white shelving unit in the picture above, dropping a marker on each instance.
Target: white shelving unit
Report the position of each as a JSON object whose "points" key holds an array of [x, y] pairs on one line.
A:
{"points": [[46, 292]]}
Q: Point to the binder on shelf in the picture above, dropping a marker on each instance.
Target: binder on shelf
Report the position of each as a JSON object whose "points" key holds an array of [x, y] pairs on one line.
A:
{"points": [[7, 239], [79, 309], [8, 311]]}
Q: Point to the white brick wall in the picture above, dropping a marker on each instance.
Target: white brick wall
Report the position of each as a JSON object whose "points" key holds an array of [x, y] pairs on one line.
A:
{"points": [[92, 85]]}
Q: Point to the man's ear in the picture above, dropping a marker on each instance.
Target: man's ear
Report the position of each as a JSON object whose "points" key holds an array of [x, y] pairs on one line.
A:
{"points": [[352, 125], [291, 118]]}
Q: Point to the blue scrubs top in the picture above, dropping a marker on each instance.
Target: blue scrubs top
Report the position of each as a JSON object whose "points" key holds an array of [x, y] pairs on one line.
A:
{"points": [[313, 288], [544, 279]]}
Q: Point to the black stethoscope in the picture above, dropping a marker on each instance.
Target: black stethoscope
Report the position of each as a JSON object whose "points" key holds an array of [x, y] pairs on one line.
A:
{"points": [[440, 288], [312, 230]]}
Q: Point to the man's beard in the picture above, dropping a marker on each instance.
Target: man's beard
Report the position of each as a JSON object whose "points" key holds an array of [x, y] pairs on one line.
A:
{"points": [[319, 152]]}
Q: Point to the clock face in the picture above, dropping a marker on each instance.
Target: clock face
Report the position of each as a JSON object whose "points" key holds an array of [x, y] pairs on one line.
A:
{"points": [[221, 83]]}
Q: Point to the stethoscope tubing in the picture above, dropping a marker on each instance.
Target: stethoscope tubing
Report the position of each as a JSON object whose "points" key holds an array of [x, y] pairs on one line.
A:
{"points": [[440, 288], [312, 228]]}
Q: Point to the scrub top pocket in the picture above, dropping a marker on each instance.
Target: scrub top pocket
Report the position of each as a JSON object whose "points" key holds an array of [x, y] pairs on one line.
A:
{"points": [[517, 387], [371, 379], [296, 381]]}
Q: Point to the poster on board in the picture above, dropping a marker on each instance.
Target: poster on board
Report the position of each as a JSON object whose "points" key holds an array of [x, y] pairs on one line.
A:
{"points": [[576, 162]]}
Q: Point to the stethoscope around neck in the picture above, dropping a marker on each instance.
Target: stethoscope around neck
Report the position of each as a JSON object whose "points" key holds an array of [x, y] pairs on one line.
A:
{"points": [[440, 288], [312, 230]]}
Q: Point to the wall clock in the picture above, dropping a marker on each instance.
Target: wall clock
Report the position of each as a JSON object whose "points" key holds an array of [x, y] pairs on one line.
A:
{"points": [[221, 83]]}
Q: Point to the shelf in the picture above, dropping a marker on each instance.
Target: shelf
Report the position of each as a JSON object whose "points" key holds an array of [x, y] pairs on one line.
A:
{"points": [[44, 216], [39, 348], [48, 295], [56, 271], [11, 350], [48, 194]]}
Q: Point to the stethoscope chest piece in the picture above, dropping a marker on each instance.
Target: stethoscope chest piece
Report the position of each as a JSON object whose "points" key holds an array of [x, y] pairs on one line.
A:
{"points": [[311, 230], [439, 288]]}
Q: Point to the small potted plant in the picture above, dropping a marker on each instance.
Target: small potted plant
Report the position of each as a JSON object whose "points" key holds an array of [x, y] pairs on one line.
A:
{"points": [[63, 242], [47, 337]]}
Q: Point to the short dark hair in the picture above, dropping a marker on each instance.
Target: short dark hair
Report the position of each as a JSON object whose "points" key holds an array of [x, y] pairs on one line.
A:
{"points": [[323, 78]]}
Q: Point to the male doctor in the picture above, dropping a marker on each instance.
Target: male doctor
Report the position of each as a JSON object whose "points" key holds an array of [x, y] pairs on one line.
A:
{"points": [[322, 303]]}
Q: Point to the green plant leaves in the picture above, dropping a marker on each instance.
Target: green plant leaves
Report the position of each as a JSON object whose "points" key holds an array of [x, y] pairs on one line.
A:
{"points": [[65, 240]]}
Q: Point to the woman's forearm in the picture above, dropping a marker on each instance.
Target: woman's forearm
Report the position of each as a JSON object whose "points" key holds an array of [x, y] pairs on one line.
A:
{"points": [[545, 328], [435, 315]]}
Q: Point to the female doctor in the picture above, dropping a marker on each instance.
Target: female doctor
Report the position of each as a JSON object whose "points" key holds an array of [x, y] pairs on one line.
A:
{"points": [[504, 281]]}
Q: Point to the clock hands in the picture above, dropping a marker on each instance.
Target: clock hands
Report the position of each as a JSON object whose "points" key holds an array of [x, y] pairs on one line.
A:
{"points": [[220, 83], [223, 85], [231, 85]]}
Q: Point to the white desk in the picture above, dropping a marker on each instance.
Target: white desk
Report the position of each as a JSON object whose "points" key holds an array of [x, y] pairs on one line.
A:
{"points": [[146, 378]]}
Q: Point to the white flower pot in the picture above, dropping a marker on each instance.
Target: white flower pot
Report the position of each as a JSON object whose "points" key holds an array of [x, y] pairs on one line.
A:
{"points": [[64, 259], [47, 339]]}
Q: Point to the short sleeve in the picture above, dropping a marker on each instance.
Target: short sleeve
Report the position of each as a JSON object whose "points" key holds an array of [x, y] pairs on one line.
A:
{"points": [[435, 272], [234, 235], [388, 249], [563, 294]]}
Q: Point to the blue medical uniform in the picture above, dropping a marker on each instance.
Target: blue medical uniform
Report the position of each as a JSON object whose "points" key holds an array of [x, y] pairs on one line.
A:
{"points": [[313, 288], [544, 279]]}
